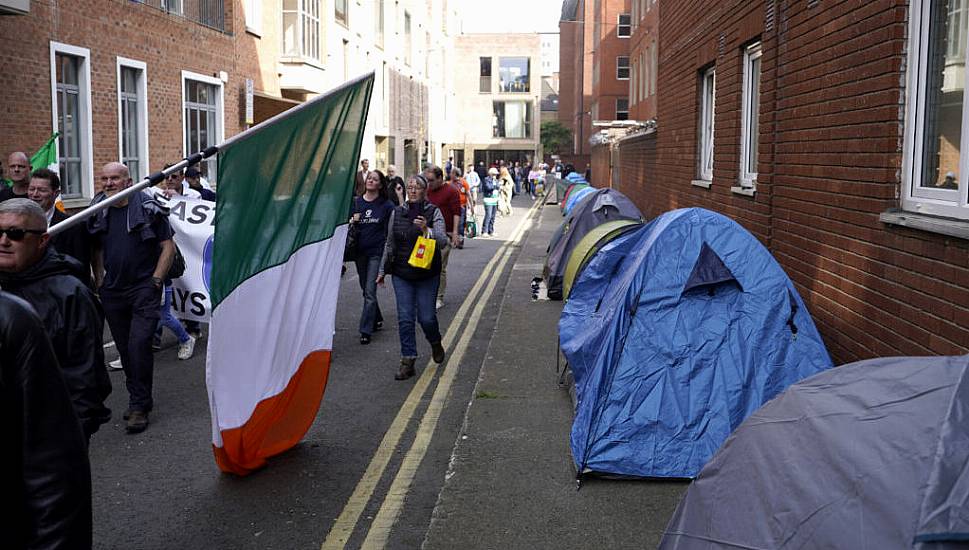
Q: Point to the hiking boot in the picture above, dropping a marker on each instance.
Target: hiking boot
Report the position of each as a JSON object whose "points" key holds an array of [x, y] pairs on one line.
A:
{"points": [[186, 349], [379, 325], [437, 352], [364, 339], [406, 369], [137, 422]]}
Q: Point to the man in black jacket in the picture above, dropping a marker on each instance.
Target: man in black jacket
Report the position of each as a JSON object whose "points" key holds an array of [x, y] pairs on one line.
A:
{"points": [[49, 281], [45, 477]]}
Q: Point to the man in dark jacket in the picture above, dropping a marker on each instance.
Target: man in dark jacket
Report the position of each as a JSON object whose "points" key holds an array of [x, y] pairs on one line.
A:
{"points": [[45, 477], [134, 247], [49, 281], [44, 188]]}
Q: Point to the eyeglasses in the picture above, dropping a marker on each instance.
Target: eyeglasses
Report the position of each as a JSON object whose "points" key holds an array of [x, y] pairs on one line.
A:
{"points": [[15, 234]]}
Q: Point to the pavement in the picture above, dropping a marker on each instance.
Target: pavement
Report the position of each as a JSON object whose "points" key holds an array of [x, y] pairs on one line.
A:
{"points": [[512, 482], [471, 454]]}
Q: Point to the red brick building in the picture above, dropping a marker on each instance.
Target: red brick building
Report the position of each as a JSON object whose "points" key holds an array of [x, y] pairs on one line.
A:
{"points": [[832, 132], [142, 82], [575, 76]]}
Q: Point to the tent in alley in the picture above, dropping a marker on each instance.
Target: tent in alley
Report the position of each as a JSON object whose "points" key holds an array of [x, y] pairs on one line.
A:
{"points": [[602, 206], [675, 333], [867, 455]]}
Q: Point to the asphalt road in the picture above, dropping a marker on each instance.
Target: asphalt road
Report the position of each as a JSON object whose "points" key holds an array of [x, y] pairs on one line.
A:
{"points": [[161, 489]]}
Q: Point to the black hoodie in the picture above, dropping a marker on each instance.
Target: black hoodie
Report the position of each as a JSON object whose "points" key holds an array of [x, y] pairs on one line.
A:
{"points": [[75, 324]]}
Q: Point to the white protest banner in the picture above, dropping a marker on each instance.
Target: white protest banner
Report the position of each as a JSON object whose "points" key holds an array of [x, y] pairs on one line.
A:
{"points": [[193, 221]]}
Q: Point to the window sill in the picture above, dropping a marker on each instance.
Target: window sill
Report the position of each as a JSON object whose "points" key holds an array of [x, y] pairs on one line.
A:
{"points": [[296, 60], [255, 32], [934, 224], [76, 202], [745, 191], [706, 184]]}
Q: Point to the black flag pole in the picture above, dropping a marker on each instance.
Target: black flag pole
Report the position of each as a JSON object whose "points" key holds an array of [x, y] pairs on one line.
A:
{"points": [[192, 160]]}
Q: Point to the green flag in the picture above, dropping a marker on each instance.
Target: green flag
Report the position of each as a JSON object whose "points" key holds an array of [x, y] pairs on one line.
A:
{"points": [[280, 229], [46, 156]]}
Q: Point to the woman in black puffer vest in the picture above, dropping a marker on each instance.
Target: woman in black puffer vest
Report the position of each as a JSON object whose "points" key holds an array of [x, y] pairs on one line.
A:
{"points": [[415, 288]]}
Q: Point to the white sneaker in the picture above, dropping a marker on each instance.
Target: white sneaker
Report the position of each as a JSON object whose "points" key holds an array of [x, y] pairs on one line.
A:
{"points": [[440, 304], [186, 349], [115, 365]]}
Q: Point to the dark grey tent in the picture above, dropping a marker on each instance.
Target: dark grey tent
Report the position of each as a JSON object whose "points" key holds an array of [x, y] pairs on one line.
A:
{"points": [[599, 207], [869, 455]]}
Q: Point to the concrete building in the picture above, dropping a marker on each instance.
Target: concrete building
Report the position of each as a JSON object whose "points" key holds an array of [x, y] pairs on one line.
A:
{"points": [[405, 42], [826, 131], [550, 76], [141, 82], [497, 113]]}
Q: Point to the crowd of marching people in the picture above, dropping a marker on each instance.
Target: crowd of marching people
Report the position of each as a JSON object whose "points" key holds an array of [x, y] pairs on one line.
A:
{"points": [[408, 231], [117, 267]]}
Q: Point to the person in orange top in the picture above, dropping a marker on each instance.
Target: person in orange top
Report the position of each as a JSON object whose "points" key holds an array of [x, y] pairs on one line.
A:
{"points": [[467, 201]]}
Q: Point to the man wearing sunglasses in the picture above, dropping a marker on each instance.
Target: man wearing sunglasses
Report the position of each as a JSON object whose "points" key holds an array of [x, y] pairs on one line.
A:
{"points": [[49, 281], [135, 249]]}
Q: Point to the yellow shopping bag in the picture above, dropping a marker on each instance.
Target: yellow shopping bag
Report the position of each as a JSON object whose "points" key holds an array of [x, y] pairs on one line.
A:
{"points": [[423, 253]]}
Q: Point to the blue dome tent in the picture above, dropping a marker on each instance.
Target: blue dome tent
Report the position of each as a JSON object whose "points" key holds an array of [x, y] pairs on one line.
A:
{"points": [[675, 333]]}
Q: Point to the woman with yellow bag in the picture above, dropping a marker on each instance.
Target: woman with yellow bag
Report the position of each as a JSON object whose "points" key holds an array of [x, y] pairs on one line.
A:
{"points": [[415, 237]]}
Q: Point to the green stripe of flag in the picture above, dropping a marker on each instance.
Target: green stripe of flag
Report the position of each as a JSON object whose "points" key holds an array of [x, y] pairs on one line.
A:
{"points": [[286, 186], [46, 156]]}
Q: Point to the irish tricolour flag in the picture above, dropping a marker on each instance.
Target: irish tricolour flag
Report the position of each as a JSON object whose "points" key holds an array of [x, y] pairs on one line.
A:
{"points": [[284, 195]]}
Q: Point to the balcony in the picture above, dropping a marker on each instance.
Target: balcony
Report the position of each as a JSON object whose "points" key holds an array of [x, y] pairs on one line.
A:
{"points": [[208, 13]]}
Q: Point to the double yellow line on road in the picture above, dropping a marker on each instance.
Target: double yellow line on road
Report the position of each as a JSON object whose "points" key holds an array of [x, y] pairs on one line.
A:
{"points": [[393, 503]]}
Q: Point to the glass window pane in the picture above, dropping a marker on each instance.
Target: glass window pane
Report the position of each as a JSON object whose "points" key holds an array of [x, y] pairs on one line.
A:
{"points": [[290, 40], [513, 74], [945, 95], [754, 137]]}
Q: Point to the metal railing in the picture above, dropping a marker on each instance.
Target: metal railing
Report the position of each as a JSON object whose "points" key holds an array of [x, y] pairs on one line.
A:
{"points": [[209, 13]]}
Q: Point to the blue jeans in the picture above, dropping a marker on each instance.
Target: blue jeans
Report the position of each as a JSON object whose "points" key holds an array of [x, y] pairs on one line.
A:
{"points": [[168, 319], [367, 269], [488, 225], [415, 302]]}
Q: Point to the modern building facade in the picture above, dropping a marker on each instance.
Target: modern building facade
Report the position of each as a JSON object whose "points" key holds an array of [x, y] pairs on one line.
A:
{"points": [[833, 133], [141, 82], [497, 113], [316, 45]]}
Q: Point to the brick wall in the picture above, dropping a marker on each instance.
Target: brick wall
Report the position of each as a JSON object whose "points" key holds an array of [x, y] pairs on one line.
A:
{"points": [[829, 163], [167, 43]]}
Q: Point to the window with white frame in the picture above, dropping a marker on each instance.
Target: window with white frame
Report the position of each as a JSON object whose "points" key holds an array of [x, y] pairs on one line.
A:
{"points": [[133, 117], [750, 116], [71, 98], [622, 67], [708, 94], [624, 28], [301, 28], [202, 100], [937, 113], [622, 108], [253, 11], [340, 12]]}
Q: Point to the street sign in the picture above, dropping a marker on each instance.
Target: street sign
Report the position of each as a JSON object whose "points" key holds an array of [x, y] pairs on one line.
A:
{"points": [[249, 93]]}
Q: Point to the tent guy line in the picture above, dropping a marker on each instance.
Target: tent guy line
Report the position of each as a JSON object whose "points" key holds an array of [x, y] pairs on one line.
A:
{"points": [[346, 522]]}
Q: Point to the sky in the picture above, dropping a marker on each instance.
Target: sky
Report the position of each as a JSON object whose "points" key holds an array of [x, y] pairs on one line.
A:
{"points": [[512, 16]]}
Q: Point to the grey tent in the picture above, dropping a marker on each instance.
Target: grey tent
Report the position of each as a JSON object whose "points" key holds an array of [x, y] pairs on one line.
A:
{"points": [[869, 455], [599, 207]]}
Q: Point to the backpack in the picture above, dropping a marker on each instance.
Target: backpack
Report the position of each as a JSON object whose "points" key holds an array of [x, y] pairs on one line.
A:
{"points": [[488, 186], [177, 269]]}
